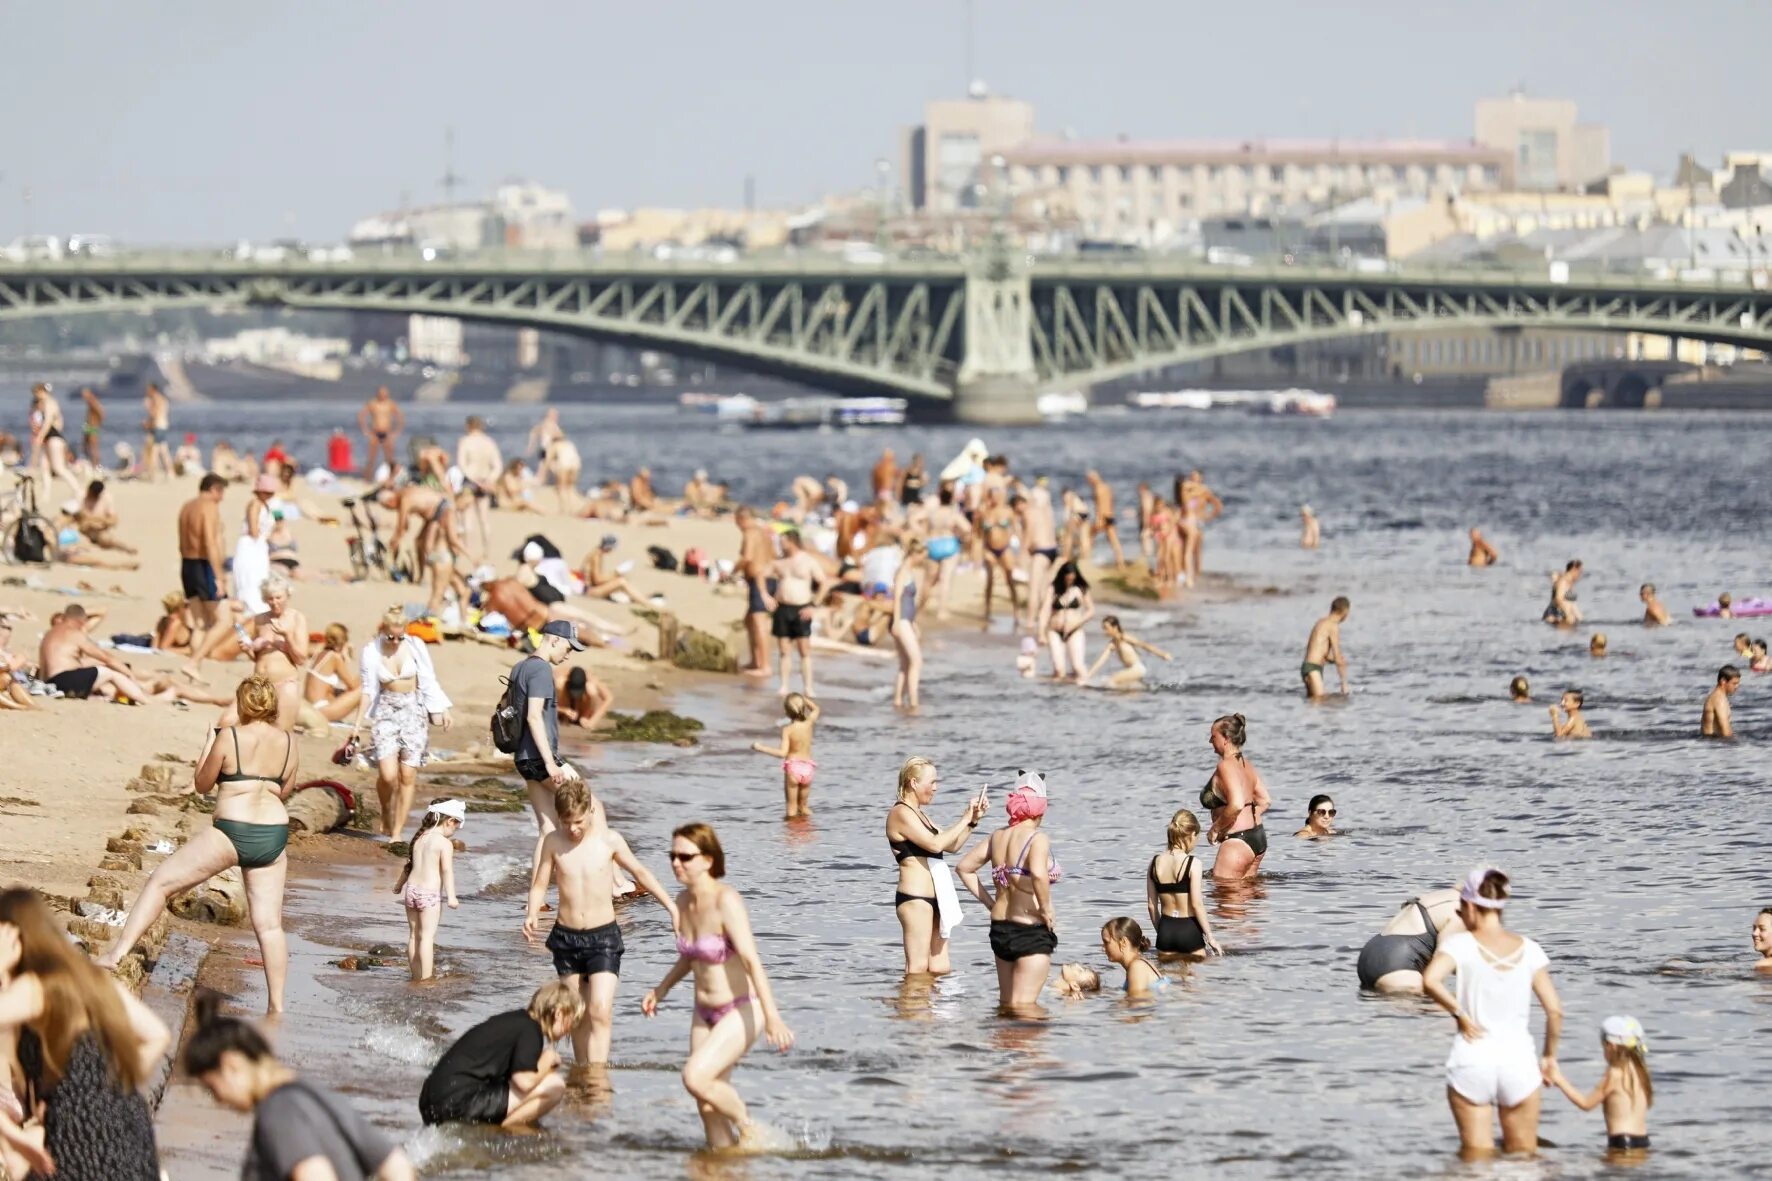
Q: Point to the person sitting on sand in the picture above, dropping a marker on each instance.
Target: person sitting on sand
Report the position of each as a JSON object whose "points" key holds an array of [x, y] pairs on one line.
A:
{"points": [[1654, 611], [1127, 647], [1717, 721], [173, 630], [333, 684], [582, 699], [1520, 690], [1482, 553], [640, 493], [503, 1071], [1569, 722], [69, 660], [1762, 939], [795, 753], [599, 582], [13, 694], [514, 489], [96, 518], [700, 495]]}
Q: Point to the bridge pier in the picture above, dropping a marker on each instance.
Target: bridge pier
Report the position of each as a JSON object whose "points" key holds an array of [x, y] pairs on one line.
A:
{"points": [[997, 400], [997, 382]]}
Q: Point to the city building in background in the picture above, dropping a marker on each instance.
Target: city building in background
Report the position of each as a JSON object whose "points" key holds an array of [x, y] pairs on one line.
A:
{"points": [[947, 160], [518, 215], [1549, 148]]}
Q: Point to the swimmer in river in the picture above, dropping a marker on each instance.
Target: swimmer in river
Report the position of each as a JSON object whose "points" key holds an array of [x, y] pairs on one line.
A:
{"points": [[1393, 960], [1596, 646], [1124, 944], [1725, 606], [1126, 647], [1319, 820], [1520, 691], [1313, 532], [1718, 721], [1075, 981], [1625, 1089], [1562, 611], [1570, 723], [1761, 660], [1238, 799], [1654, 611], [1482, 553], [1762, 937], [1323, 648], [1172, 893], [795, 753]]}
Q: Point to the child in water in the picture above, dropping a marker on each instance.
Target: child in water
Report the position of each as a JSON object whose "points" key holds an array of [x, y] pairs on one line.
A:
{"points": [[1127, 648], [1078, 980], [1625, 1090], [1028, 663], [1571, 724], [795, 752], [1123, 941], [429, 878]]}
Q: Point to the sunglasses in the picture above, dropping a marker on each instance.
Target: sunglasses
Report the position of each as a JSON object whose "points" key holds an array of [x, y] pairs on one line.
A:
{"points": [[684, 857], [1324, 812]]}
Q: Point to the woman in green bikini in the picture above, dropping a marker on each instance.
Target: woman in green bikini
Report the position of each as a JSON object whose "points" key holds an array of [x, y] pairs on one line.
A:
{"points": [[249, 767]]}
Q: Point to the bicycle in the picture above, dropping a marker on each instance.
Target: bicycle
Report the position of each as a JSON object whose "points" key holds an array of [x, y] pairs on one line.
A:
{"points": [[369, 554], [27, 537]]}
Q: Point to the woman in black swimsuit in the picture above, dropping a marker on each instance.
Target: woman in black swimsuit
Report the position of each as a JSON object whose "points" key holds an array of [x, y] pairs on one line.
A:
{"points": [[1065, 613], [1172, 893], [915, 842], [1238, 800], [1393, 959]]}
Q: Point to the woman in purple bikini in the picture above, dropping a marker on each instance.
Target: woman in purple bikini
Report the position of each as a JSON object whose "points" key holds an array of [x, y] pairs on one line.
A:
{"points": [[733, 1001]]}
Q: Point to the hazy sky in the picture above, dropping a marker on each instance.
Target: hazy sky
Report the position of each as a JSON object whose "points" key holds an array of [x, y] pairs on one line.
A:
{"points": [[212, 120]]}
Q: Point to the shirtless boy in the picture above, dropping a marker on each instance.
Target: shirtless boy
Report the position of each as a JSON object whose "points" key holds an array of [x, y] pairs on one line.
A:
{"points": [[381, 421], [580, 856], [1569, 722], [800, 581], [1654, 612], [1324, 647], [1126, 647], [1718, 721], [1482, 553]]}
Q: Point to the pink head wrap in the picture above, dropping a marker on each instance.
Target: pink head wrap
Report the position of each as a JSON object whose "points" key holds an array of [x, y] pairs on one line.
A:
{"points": [[1023, 804]]}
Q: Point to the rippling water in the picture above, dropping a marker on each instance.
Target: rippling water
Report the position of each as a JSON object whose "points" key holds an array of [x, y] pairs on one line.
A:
{"points": [[1635, 856]]}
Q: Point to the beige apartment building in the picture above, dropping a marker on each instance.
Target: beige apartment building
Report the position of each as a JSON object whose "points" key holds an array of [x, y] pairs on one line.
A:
{"points": [[1549, 147], [947, 161]]}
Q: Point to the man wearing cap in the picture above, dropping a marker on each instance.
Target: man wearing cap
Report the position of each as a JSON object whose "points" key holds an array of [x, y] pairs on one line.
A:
{"points": [[534, 696], [601, 583]]}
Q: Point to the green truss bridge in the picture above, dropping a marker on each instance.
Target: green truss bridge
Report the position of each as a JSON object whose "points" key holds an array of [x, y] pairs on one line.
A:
{"points": [[987, 334]]}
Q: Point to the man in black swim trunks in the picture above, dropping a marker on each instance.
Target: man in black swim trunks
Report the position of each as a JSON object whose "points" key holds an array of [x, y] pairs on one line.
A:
{"points": [[69, 660], [800, 582], [201, 553]]}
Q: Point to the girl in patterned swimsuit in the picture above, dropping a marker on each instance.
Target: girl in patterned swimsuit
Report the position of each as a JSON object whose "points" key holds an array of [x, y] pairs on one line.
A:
{"points": [[428, 878]]}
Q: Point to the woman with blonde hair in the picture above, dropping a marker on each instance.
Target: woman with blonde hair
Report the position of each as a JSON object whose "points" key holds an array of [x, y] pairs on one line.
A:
{"points": [[333, 685], [927, 905], [83, 1048], [250, 767], [400, 698], [1172, 893]]}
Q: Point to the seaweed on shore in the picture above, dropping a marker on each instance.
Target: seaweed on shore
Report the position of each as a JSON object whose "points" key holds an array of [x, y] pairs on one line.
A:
{"points": [[1139, 587], [655, 725]]}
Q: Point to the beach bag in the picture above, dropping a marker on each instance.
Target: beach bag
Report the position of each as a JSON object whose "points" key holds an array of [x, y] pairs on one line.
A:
{"points": [[507, 724], [662, 558], [30, 544]]}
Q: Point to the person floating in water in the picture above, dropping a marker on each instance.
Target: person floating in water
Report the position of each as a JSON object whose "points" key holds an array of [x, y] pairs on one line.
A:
{"points": [[1126, 647], [1725, 606], [1313, 532], [1323, 648], [1625, 1089], [795, 752], [1482, 553], [1717, 721], [1570, 723], [1654, 611]]}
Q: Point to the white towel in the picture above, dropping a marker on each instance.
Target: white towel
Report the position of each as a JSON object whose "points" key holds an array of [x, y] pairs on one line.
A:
{"points": [[947, 899]]}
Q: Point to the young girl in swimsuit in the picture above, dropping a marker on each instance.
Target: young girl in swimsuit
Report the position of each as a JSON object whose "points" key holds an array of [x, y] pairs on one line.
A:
{"points": [[795, 753], [1626, 1089], [733, 1000], [1065, 612], [1123, 942], [1127, 648], [1238, 799], [428, 879]]}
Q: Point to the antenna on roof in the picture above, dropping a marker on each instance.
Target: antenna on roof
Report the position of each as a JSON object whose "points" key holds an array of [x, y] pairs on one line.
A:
{"points": [[972, 83], [451, 180]]}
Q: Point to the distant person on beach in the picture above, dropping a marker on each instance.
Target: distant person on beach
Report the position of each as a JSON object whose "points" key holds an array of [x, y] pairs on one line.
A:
{"points": [[249, 766], [300, 1129], [580, 857], [1024, 929], [948, 532], [733, 998], [795, 753], [756, 555], [478, 457], [1199, 506], [1566, 717], [907, 642], [89, 431], [701, 496], [52, 457], [1562, 611], [1319, 819], [800, 582], [564, 462], [1104, 523], [1519, 690], [885, 476], [1313, 532], [1238, 799], [1718, 721], [96, 518], [1127, 647], [427, 882], [1655, 613], [1762, 939], [1040, 535], [400, 699], [503, 1071], [913, 480], [927, 908], [1625, 1089], [81, 1049], [1324, 648], [515, 490], [640, 492], [602, 582], [381, 420], [1394, 959], [538, 745], [1482, 553], [1173, 896], [1493, 1068], [252, 549], [187, 459], [156, 453], [542, 435]]}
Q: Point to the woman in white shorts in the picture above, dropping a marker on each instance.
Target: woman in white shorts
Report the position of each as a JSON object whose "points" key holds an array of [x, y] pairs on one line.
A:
{"points": [[401, 700], [1493, 1064]]}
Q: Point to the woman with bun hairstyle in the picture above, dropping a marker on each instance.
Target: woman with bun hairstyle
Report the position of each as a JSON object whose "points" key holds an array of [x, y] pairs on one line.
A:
{"points": [[1238, 800], [1493, 1066]]}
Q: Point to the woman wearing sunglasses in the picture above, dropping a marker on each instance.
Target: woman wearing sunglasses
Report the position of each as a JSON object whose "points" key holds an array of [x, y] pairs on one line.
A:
{"points": [[1320, 822], [733, 1001]]}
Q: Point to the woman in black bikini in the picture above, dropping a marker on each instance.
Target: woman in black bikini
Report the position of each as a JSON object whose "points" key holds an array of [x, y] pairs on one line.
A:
{"points": [[1238, 800], [915, 842], [1066, 611], [1172, 893]]}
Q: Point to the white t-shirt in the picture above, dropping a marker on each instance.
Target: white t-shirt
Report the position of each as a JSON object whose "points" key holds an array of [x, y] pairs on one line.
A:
{"points": [[881, 564], [1499, 998]]}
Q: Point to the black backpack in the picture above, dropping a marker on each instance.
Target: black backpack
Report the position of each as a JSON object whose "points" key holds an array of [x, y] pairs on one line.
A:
{"points": [[507, 721], [662, 558], [30, 543]]}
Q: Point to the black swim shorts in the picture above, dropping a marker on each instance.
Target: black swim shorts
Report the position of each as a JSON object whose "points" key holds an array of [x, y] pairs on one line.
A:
{"points": [[532, 770], [789, 623], [198, 579], [585, 953], [1015, 941], [76, 682]]}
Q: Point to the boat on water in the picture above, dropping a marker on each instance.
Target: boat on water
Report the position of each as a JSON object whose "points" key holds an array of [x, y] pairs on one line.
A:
{"points": [[1056, 407], [1302, 402], [816, 413]]}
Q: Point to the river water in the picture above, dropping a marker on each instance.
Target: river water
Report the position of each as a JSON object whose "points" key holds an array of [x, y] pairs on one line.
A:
{"points": [[1633, 856]]}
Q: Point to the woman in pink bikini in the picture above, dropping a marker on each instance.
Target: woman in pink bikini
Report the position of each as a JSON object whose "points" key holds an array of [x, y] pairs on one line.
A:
{"points": [[733, 1001]]}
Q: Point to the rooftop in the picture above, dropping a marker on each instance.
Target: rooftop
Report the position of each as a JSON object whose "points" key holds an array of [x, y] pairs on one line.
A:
{"points": [[1236, 151]]}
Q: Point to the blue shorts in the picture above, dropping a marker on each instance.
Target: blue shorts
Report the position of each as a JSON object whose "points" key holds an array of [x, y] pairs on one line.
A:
{"points": [[198, 579]]}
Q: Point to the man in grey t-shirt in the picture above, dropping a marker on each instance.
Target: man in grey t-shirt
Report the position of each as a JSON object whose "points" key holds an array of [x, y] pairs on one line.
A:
{"points": [[538, 747], [300, 1123]]}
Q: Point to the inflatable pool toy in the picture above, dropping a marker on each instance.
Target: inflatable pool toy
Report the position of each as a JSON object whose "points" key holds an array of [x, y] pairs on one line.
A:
{"points": [[1745, 609]]}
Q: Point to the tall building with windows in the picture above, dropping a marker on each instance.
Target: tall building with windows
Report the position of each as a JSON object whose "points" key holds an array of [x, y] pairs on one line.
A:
{"points": [[947, 160], [1550, 149]]}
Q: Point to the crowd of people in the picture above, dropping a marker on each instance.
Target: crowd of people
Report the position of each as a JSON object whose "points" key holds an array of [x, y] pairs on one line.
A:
{"points": [[820, 572]]}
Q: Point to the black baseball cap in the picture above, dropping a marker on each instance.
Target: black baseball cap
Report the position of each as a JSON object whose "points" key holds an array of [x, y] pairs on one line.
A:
{"points": [[566, 631]]}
